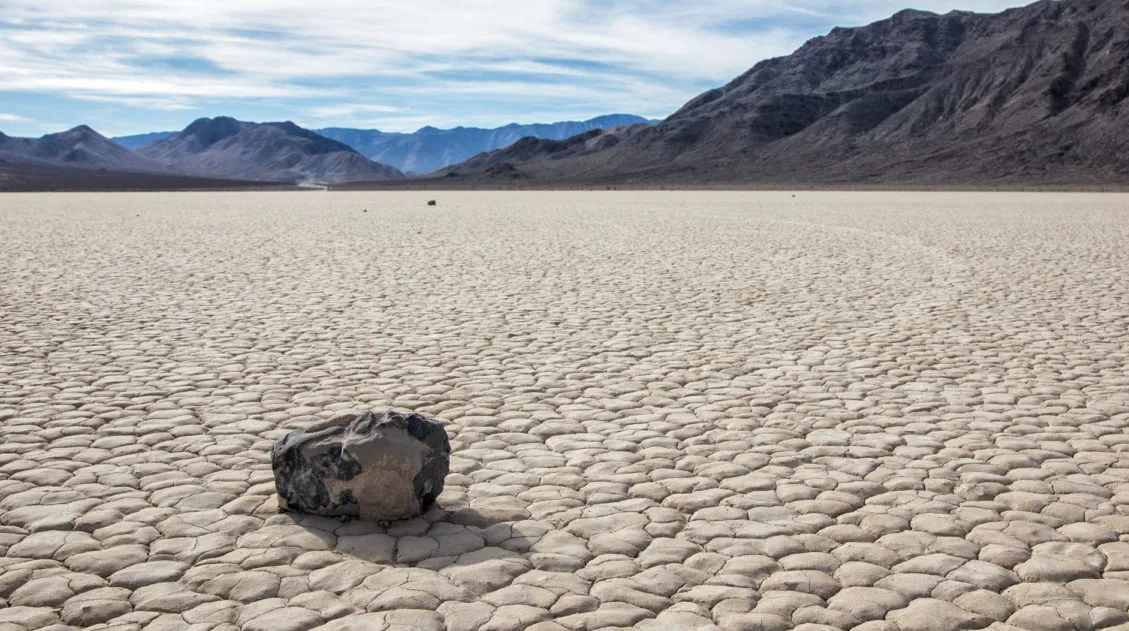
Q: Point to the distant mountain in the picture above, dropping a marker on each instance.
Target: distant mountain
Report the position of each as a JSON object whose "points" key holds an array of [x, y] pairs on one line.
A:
{"points": [[1035, 95], [270, 152], [430, 149], [81, 147], [135, 141]]}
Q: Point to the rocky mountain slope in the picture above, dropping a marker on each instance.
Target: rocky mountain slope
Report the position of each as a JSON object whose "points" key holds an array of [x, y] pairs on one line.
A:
{"points": [[503, 162], [80, 147], [430, 149], [1035, 95], [269, 152]]}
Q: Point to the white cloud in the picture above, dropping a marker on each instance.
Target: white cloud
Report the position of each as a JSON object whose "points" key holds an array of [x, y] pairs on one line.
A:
{"points": [[356, 58], [13, 118], [350, 109]]}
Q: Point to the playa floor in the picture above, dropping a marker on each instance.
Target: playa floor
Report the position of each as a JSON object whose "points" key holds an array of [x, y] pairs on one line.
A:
{"points": [[872, 411]]}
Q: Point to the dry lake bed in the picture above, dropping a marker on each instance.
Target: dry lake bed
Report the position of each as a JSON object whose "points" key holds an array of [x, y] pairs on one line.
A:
{"points": [[872, 411]]}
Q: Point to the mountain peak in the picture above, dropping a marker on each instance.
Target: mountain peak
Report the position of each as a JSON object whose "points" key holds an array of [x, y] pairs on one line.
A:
{"points": [[206, 125], [78, 132], [77, 147], [285, 125], [276, 151], [206, 132], [911, 14]]}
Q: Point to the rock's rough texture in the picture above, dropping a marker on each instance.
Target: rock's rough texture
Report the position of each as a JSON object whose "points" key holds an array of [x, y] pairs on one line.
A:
{"points": [[376, 466]]}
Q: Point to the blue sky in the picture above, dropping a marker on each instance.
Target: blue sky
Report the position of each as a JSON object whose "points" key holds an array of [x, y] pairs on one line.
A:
{"points": [[130, 66]]}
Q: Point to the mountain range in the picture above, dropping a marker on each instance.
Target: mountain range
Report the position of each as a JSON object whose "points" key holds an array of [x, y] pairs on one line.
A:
{"points": [[1035, 95], [429, 148], [212, 149], [268, 152], [224, 148]]}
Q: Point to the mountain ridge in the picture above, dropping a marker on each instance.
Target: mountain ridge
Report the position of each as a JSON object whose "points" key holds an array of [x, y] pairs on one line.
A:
{"points": [[429, 149], [268, 152], [79, 147], [1028, 95], [1036, 95], [502, 162]]}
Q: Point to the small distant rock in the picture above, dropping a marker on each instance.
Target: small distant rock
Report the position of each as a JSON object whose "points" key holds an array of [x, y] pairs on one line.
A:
{"points": [[431, 202], [377, 466]]}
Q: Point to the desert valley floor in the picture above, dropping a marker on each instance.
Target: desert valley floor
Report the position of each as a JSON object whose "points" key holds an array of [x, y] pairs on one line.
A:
{"points": [[872, 411]]}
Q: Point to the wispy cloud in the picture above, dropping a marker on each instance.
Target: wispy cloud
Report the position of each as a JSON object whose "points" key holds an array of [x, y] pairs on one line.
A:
{"points": [[12, 118], [360, 60], [344, 110]]}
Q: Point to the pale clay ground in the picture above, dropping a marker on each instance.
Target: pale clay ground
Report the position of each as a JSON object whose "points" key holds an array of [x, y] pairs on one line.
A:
{"points": [[880, 411]]}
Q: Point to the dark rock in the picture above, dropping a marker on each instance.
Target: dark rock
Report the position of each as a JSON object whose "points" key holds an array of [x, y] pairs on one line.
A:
{"points": [[431, 202], [379, 466]]}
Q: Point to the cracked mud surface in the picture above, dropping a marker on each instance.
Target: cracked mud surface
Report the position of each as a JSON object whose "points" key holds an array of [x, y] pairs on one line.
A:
{"points": [[881, 411]]}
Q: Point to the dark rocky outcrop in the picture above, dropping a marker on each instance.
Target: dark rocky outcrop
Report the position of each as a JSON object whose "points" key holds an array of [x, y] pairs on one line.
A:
{"points": [[378, 466]]}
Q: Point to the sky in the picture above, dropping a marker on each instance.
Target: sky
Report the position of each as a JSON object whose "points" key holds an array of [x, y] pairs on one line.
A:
{"points": [[133, 66]]}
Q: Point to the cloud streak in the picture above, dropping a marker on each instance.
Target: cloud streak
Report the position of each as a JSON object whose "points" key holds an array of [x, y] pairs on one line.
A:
{"points": [[352, 60]]}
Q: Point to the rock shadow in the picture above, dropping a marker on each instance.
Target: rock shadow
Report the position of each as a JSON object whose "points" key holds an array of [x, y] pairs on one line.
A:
{"points": [[441, 537]]}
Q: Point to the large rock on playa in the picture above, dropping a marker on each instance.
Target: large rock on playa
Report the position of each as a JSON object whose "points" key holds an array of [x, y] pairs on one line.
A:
{"points": [[379, 466]]}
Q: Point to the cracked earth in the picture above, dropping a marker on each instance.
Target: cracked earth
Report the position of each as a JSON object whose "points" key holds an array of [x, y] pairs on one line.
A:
{"points": [[880, 411]]}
